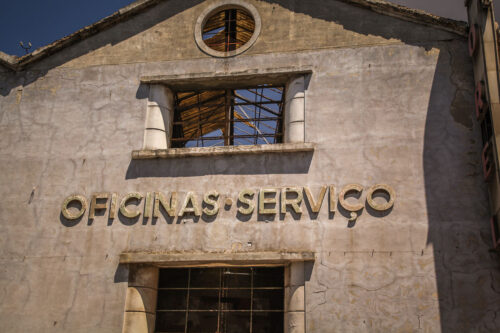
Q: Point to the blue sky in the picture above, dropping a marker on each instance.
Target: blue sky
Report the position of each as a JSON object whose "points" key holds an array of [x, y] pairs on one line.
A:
{"points": [[44, 21]]}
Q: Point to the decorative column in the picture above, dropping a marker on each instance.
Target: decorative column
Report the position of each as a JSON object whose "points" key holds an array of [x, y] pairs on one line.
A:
{"points": [[295, 110], [159, 117], [140, 302], [295, 298]]}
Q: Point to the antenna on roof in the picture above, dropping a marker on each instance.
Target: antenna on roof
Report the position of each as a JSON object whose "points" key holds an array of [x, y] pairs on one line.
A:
{"points": [[26, 48]]}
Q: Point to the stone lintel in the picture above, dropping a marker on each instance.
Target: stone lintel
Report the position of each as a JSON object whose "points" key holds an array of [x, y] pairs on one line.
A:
{"points": [[235, 80], [215, 259], [146, 154]]}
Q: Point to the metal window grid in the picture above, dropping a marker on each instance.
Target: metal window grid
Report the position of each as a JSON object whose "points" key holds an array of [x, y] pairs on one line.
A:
{"points": [[249, 116], [223, 292]]}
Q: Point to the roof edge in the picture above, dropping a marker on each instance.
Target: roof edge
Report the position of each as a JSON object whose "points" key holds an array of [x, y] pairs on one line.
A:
{"points": [[412, 15], [18, 63], [8, 61], [379, 6]]}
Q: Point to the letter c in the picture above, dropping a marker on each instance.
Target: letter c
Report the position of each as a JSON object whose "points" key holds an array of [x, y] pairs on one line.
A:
{"points": [[352, 208], [123, 205]]}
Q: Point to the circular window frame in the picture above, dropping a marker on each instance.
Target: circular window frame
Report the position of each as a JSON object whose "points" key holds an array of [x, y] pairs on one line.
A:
{"points": [[223, 5]]}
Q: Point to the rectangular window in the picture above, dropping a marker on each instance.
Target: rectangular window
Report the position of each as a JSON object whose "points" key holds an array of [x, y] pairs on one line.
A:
{"points": [[224, 117], [222, 300]]}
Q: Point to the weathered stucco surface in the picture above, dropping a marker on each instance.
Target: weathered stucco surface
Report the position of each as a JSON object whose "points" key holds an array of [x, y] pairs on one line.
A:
{"points": [[388, 102]]}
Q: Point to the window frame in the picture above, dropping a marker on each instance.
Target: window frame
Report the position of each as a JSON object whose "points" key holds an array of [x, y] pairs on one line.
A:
{"points": [[143, 274], [222, 5], [160, 99]]}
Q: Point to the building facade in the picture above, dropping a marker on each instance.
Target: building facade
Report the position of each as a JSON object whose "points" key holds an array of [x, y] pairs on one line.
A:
{"points": [[250, 166]]}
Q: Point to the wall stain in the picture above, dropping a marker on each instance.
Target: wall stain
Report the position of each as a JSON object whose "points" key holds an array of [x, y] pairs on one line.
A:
{"points": [[19, 95]]}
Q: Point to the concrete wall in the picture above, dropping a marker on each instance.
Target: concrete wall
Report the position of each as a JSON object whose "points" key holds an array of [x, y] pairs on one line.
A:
{"points": [[388, 102]]}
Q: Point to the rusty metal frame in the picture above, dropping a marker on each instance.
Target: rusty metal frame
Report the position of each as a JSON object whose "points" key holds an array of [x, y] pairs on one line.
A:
{"points": [[243, 116], [228, 29]]}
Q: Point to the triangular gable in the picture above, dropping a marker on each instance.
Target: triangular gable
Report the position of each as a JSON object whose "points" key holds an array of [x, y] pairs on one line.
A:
{"points": [[140, 6]]}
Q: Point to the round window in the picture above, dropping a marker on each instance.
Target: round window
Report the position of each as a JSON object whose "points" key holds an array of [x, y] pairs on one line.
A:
{"points": [[227, 28]]}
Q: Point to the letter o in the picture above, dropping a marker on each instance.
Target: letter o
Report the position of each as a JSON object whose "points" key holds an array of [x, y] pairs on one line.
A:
{"points": [[64, 209], [380, 187]]}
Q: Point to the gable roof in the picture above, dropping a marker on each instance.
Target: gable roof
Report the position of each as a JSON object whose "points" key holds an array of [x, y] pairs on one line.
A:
{"points": [[379, 6]]}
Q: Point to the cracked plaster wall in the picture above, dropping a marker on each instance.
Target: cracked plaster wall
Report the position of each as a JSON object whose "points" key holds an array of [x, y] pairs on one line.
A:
{"points": [[395, 111]]}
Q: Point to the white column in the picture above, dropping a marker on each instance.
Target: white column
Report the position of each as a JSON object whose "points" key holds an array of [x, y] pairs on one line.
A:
{"points": [[159, 117], [295, 110], [140, 302], [295, 299]]}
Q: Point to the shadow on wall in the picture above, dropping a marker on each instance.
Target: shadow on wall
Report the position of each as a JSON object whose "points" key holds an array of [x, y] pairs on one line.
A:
{"points": [[112, 36], [467, 272], [293, 163]]}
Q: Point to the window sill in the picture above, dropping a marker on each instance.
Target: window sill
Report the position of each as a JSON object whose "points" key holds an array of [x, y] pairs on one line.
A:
{"points": [[220, 151]]}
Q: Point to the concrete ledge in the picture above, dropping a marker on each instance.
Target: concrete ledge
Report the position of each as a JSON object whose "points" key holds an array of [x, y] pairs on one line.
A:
{"points": [[217, 80], [218, 151], [215, 259]]}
